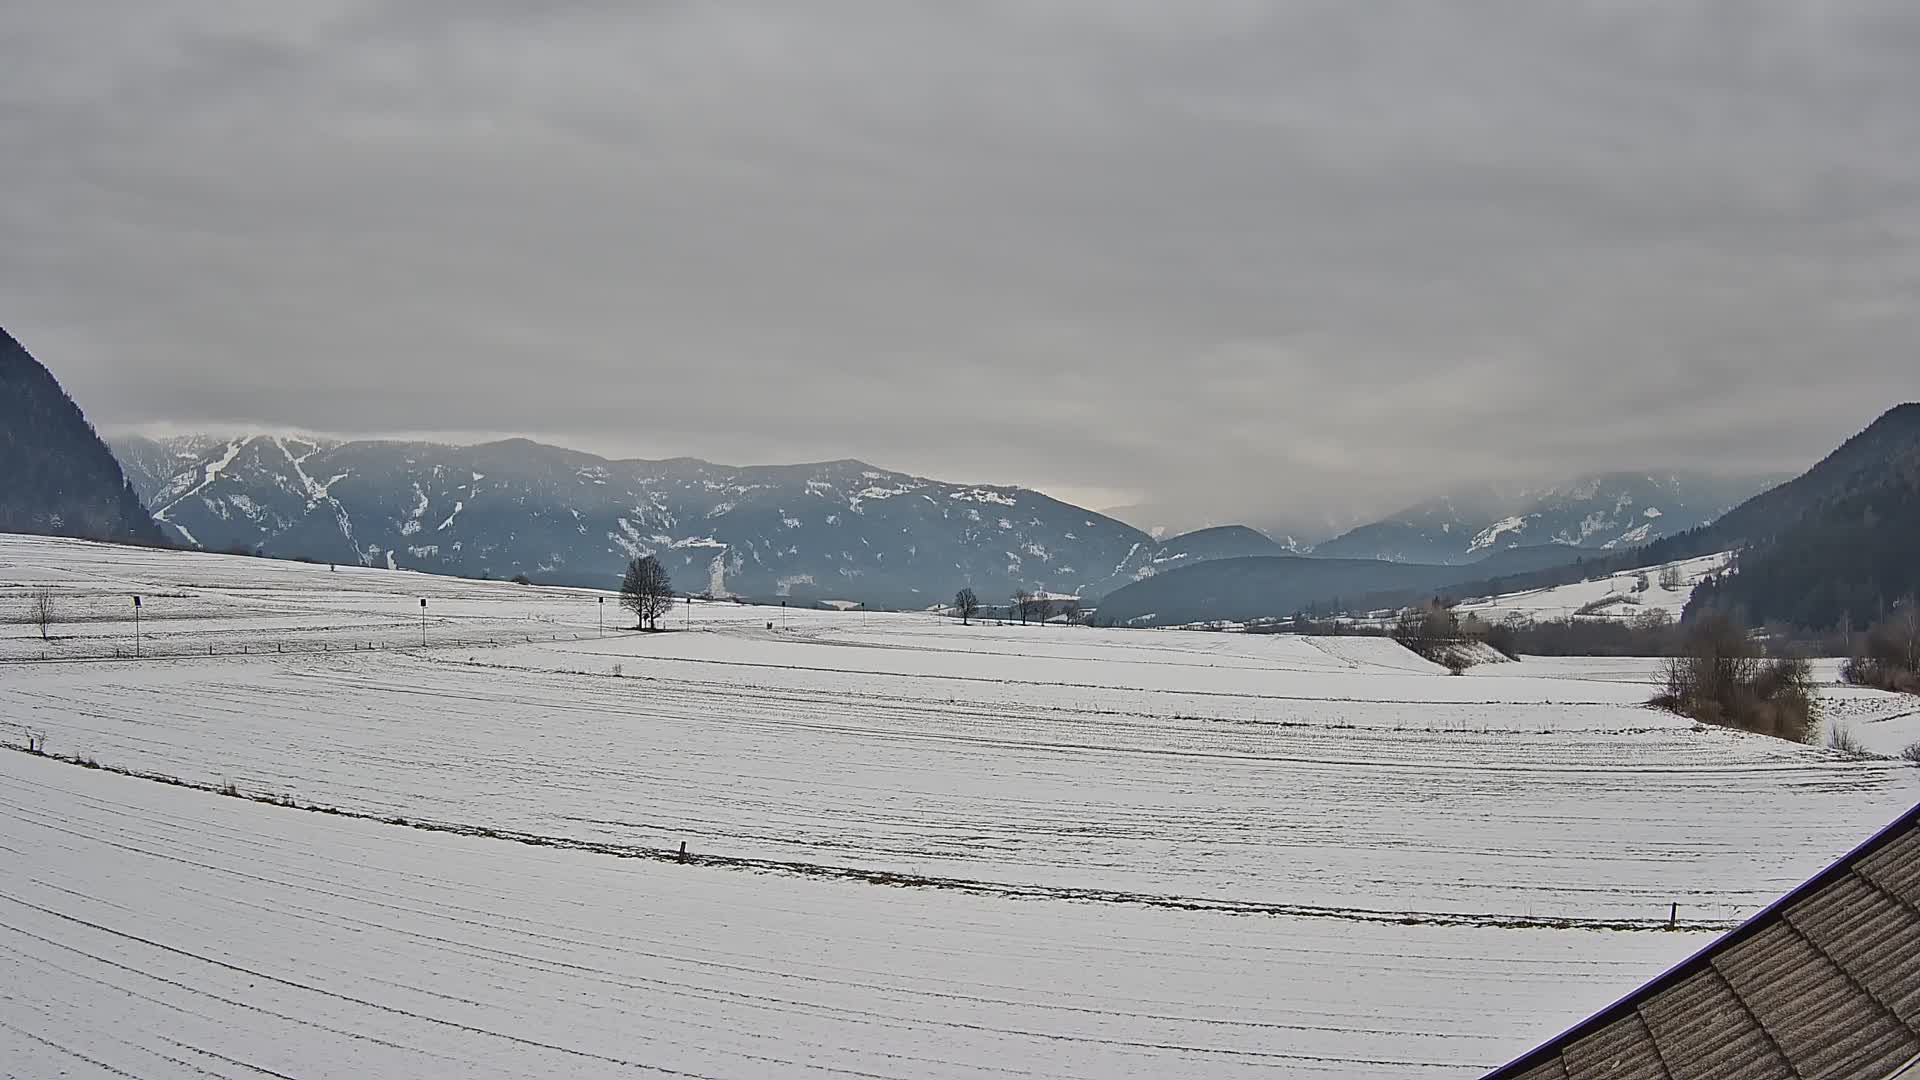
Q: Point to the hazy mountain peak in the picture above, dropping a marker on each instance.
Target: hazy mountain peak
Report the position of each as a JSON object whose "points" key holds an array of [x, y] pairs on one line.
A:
{"points": [[1604, 511]]}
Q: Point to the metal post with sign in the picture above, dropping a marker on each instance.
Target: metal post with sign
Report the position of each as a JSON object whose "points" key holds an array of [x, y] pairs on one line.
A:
{"points": [[423, 622], [136, 627], [603, 616]]}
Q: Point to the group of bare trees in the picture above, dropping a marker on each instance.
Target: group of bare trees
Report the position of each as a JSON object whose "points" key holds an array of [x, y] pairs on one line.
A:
{"points": [[1433, 631], [1025, 606], [1722, 677]]}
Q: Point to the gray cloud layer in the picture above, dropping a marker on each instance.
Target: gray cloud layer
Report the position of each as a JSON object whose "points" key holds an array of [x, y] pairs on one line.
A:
{"points": [[1247, 260]]}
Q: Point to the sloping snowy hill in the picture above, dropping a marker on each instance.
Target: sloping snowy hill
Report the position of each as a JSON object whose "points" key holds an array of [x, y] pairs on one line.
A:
{"points": [[1615, 596]]}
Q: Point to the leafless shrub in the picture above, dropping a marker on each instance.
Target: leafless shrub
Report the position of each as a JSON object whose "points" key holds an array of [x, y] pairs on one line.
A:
{"points": [[1844, 740], [1911, 753], [1887, 656]]}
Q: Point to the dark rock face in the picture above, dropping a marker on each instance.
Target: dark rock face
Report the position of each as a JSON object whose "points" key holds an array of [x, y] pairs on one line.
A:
{"points": [[57, 477]]}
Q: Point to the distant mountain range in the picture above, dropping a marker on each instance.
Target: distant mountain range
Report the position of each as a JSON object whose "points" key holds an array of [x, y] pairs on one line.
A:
{"points": [[1832, 545], [833, 530], [1605, 511], [56, 476], [1835, 545]]}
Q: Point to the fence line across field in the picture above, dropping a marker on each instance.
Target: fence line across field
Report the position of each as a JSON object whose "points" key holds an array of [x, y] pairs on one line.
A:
{"points": [[151, 650]]}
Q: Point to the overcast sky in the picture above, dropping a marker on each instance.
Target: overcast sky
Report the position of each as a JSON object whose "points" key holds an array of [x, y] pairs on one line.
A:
{"points": [[1233, 260]]}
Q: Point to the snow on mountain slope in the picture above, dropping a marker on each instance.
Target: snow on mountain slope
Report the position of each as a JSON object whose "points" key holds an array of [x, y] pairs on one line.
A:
{"points": [[1603, 511], [1616, 596], [831, 530], [828, 530], [1201, 545]]}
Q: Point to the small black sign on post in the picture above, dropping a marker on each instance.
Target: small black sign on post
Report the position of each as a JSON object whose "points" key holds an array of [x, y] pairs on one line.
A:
{"points": [[423, 622], [603, 616], [136, 628]]}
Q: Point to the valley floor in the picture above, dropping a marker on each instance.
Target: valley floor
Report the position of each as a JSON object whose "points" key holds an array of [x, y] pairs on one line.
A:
{"points": [[920, 849]]}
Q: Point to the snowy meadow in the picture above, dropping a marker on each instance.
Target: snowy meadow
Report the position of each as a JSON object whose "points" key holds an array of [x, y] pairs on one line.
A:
{"points": [[912, 848]]}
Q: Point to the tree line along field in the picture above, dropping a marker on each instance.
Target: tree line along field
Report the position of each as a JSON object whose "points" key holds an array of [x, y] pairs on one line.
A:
{"points": [[915, 848]]}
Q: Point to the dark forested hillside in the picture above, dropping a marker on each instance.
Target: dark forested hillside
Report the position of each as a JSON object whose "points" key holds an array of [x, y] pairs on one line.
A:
{"points": [[1839, 542], [56, 476], [1843, 557], [1274, 586]]}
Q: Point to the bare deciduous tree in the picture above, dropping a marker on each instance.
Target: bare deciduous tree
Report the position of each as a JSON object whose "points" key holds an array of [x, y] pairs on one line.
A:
{"points": [[966, 605], [1670, 579], [647, 591], [1023, 604], [40, 612]]}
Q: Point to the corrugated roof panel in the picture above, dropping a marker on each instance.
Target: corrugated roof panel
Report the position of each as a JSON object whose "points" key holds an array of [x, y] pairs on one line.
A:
{"points": [[1874, 937], [1623, 1051], [1896, 867], [1825, 1023], [1704, 1033]]}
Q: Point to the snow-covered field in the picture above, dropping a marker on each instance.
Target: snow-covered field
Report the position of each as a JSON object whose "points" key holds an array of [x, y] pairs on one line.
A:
{"points": [[151, 931], [1156, 853]]}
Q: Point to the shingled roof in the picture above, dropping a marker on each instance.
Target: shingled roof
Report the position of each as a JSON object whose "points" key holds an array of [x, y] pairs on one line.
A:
{"points": [[1824, 983]]}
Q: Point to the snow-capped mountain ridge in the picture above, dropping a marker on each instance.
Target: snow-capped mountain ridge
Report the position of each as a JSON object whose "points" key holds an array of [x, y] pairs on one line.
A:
{"points": [[839, 529], [1603, 511]]}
